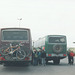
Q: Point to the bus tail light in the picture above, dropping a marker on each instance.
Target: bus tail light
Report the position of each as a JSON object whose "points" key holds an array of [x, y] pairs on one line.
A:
{"points": [[26, 58], [49, 54], [0, 55], [2, 58], [64, 54]]}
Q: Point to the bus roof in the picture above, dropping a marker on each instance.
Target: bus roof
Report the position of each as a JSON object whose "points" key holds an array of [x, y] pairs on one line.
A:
{"points": [[56, 35], [14, 28]]}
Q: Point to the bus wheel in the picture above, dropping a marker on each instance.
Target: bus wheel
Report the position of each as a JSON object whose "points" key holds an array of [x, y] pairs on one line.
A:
{"points": [[46, 61], [56, 61], [5, 64]]}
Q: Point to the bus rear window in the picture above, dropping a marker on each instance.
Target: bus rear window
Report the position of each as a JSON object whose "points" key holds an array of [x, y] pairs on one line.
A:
{"points": [[14, 35], [57, 39]]}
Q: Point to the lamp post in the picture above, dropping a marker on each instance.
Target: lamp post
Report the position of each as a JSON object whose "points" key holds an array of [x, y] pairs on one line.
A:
{"points": [[33, 44], [19, 21]]}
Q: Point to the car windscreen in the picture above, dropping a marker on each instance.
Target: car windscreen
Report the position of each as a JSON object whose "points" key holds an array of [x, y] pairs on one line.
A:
{"points": [[57, 40], [14, 35]]}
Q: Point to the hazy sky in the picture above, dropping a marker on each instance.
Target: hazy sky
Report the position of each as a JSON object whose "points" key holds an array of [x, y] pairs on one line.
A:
{"points": [[43, 17]]}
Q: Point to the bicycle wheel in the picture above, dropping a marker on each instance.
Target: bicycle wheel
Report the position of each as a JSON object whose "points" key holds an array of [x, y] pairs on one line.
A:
{"points": [[20, 54], [4, 51], [9, 57]]}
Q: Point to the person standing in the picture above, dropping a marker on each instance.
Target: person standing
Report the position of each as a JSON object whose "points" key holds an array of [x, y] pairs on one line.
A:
{"points": [[39, 58], [71, 57], [35, 58], [43, 55]]}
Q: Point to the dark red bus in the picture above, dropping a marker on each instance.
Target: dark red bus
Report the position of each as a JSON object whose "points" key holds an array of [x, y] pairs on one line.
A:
{"points": [[15, 46]]}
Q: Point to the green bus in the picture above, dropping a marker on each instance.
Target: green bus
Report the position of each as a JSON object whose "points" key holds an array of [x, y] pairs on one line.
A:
{"points": [[55, 47]]}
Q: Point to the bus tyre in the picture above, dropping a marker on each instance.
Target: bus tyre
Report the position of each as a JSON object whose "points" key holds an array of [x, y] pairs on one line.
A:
{"points": [[56, 61], [5, 64], [46, 61], [57, 48]]}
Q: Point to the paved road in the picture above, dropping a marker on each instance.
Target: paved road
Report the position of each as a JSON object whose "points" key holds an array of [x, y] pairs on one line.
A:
{"points": [[50, 69]]}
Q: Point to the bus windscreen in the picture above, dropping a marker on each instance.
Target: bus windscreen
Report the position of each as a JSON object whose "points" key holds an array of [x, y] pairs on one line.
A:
{"points": [[14, 35], [57, 40]]}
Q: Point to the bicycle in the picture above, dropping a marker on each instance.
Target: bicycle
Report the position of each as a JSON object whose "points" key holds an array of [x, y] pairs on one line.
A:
{"points": [[9, 51]]}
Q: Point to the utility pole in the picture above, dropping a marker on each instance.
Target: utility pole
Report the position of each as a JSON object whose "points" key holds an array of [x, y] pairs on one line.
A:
{"points": [[19, 21]]}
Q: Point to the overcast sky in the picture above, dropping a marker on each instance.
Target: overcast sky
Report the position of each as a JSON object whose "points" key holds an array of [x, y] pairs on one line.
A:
{"points": [[43, 17]]}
